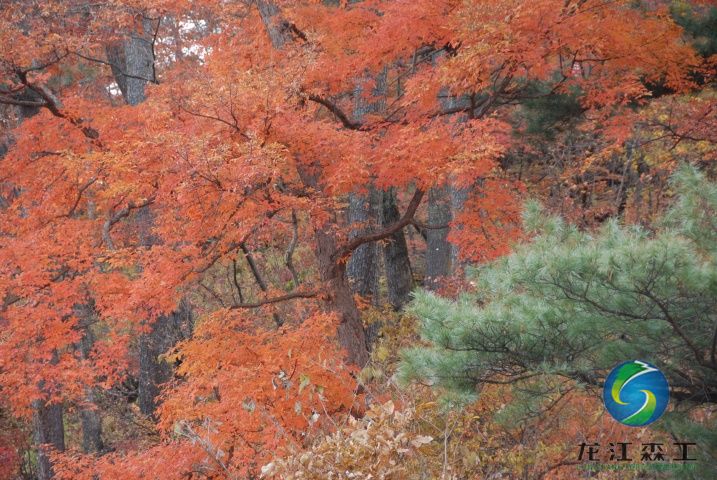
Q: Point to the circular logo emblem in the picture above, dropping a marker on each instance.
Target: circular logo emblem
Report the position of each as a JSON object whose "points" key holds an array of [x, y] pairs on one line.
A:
{"points": [[636, 393]]}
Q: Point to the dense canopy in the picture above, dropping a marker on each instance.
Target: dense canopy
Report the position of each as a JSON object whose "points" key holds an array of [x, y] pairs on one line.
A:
{"points": [[212, 213]]}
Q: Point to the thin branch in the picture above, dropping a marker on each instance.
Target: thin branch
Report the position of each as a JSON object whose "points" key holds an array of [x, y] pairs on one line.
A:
{"points": [[154, 53], [676, 328], [421, 232], [288, 257], [259, 280], [713, 357], [80, 192], [115, 66], [235, 280], [218, 119], [333, 108], [54, 105], [429, 226], [213, 293], [281, 298], [386, 232], [253, 267], [43, 66], [20, 103], [116, 217]]}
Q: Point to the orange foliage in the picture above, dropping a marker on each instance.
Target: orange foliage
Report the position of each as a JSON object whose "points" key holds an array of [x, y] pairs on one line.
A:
{"points": [[228, 148]]}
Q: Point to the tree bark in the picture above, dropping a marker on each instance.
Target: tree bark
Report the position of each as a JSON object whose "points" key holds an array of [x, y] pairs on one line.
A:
{"points": [[165, 332], [132, 63], [48, 433], [438, 249], [396, 259], [363, 267], [91, 425], [399, 276], [351, 333], [274, 24], [332, 271], [47, 420], [458, 198], [89, 413]]}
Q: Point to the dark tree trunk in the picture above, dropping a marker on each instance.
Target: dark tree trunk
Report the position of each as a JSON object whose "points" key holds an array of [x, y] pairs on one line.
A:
{"points": [[332, 271], [91, 425], [49, 433], [438, 250], [396, 259], [363, 268], [133, 67], [89, 413], [276, 26], [132, 62], [48, 430], [165, 332], [398, 266], [351, 334], [458, 199]]}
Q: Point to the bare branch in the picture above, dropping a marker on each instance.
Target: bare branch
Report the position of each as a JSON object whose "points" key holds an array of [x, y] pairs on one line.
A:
{"points": [[429, 226], [54, 105], [333, 108], [235, 280], [116, 217], [386, 232], [115, 66], [259, 280], [218, 119], [80, 192], [20, 103], [281, 298], [253, 267], [292, 246]]}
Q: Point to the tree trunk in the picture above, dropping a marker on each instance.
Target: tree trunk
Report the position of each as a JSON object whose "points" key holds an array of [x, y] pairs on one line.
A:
{"points": [[332, 271], [363, 268], [48, 433], [91, 425], [166, 331], [48, 430], [132, 63], [351, 333], [47, 420], [396, 259], [276, 27], [398, 266], [458, 199], [133, 66], [438, 250], [89, 413]]}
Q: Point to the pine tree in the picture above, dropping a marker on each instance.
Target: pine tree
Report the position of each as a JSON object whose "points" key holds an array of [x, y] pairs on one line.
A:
{"points": [[571, 304]]}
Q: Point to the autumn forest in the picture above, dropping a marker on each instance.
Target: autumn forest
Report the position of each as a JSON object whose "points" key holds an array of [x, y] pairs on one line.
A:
{"points": [[357, 239]]}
